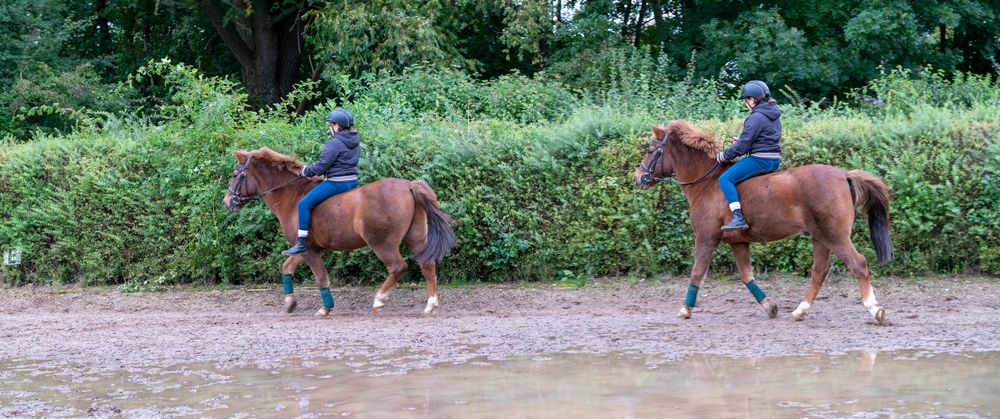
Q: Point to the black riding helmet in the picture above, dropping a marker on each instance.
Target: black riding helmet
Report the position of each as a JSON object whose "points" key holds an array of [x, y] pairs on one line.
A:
{"points": [[755, 89], [341, 117]]}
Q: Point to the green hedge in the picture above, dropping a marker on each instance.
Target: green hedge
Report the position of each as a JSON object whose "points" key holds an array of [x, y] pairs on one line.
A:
{"points": [[137, 203]]}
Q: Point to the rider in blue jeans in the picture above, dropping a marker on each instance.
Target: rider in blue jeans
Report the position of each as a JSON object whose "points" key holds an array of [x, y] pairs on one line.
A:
{"points": [[760, 139], [338, 163]]}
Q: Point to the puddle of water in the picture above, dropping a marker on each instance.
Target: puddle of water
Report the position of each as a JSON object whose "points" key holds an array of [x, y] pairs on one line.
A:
{"points": [[853, 384]]}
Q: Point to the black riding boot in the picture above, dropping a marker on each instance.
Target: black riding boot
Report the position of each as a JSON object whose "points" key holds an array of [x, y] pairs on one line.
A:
{"points": [[298, 249], [738, 223]]}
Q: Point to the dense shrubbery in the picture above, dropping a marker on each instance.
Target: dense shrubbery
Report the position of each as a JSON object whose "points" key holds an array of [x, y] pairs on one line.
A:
{"points": [[538, 177]]}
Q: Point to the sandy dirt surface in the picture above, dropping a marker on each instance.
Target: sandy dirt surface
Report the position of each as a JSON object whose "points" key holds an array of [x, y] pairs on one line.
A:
{"points": [[108, 330]]}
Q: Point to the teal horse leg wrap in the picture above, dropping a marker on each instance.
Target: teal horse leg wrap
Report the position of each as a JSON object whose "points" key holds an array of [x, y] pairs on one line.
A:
{"points": [[286, 280], [756, 291], [691, 296], [327, 298]]}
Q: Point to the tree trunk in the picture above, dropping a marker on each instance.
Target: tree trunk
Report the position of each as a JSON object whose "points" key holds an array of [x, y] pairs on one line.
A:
{"points": [[639, 23], [626, 16], [104, 34], [944, 38], [269, 50], [658, 23]]}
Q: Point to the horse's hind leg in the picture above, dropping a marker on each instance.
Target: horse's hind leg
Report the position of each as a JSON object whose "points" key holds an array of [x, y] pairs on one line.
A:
{"points": [[742, 253], [315, 262], [416, 240], [287, 273], [396, 267], [430, 274], [859, 267], [820, 270]]}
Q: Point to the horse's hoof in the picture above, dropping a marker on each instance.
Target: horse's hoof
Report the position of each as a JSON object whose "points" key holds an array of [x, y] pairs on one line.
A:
{"points": [[770, 307], [684, 313], [880, 316], [430, 309], [323, 312], [379, 302], [432, 304], [290, 304]]}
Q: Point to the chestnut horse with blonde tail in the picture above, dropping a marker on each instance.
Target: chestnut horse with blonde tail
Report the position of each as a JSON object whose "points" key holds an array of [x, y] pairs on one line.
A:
{"points": [[816, 199], [380, 215]]}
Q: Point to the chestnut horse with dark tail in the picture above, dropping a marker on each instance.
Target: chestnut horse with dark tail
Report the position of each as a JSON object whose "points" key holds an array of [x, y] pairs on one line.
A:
{"points": [[380, 215], [816, 199]]}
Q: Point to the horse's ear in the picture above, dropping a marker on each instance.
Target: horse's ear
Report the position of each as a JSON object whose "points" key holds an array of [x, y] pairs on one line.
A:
{"points": [[658, 131], [241, 155]]}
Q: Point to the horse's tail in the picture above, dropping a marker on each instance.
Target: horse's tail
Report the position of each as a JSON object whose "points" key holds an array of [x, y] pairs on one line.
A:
{"points": [[440, 237], [871, 193]]}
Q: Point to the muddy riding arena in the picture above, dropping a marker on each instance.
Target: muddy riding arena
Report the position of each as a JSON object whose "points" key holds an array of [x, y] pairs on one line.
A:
{"points": [[194, 344]]}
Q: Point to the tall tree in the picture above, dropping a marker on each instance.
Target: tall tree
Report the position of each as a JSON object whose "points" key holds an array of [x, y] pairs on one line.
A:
{"points": [[266, 37]]}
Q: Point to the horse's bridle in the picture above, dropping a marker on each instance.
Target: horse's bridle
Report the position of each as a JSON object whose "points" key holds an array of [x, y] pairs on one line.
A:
{"points": [[238, 198], [648, 177]]}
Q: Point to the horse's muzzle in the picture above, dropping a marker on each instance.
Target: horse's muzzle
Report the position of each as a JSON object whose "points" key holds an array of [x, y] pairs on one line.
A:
{"points": [[232, 205], [643, 181]]}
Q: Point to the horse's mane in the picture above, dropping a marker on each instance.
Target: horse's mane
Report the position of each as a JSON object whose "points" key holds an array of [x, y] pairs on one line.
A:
{"points": [[692, 137], [281, 161]]}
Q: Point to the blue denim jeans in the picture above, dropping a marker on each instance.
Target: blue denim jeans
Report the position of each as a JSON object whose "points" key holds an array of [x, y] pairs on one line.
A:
{"points": [[319, 194], [744, 169]]}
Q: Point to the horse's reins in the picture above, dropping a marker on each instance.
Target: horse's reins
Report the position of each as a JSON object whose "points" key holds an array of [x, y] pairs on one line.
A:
{"points": [[648, 176], [238, 198]]}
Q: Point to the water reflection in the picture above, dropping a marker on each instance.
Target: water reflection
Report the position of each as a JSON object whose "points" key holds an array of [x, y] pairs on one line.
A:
{"points": [[859, 383]]}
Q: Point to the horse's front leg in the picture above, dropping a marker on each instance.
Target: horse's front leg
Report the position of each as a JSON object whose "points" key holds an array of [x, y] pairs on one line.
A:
{"points": [[704, 246], [287, 273], [315, 262], [742, 253]]}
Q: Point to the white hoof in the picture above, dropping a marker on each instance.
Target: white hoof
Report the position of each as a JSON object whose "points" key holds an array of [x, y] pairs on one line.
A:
{"points": [[684, 313], [801, 311], [290, 303], [379, 301], [432, 304], [322, 312], [874, 308]]}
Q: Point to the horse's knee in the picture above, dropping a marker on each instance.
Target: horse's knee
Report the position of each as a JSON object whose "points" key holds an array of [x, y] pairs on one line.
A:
{"points": [[859, 267], [290, 264], [322, 281], [398, 270]]}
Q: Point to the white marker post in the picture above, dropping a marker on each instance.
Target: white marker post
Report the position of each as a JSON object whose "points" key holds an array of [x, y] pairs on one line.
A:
{"points": [[12, 256]]}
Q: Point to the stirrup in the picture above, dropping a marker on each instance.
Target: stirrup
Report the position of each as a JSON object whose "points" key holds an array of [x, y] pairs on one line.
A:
{"points": [[736, 225], [298, 249]]}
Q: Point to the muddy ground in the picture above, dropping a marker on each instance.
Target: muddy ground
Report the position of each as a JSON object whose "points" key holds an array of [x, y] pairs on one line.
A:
{"points": [[107, 330]]}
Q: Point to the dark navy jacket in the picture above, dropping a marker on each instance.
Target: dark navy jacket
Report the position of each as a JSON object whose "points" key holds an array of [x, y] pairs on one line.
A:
{"points": [[339, 158], [761, 134]]}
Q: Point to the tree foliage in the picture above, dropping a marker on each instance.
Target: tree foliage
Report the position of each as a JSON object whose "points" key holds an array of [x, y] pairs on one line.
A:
{"points": [[60, 56]]}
